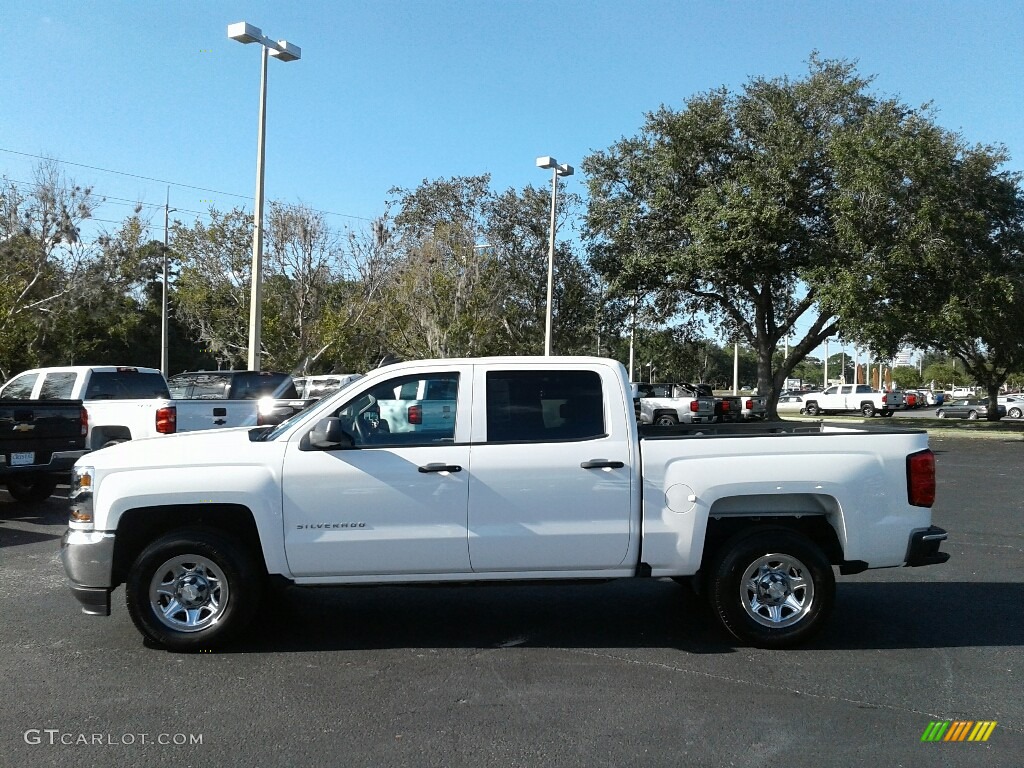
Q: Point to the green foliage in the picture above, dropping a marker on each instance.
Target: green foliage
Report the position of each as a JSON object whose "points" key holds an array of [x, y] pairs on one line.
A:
{"points": [[906, 377], [809, 198]]}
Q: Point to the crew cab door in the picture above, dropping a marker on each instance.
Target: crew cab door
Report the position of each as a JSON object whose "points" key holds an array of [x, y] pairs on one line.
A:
{"points": [[552, 485], [396, 501]]}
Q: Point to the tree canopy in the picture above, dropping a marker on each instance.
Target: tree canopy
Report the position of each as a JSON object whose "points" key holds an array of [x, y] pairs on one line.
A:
{"points": [[777, 204]]}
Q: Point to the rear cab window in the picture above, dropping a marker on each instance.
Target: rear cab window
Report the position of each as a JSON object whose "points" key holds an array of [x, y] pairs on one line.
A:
{"points": [[126, 385]]}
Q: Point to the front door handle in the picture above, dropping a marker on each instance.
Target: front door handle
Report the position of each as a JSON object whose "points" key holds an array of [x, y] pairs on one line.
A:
{"points": [[601, 464], [440, 467]]}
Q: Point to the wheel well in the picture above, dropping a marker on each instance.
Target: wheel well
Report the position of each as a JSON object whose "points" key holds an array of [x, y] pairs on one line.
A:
{"points": [[814, 527], [101, 435], [659, 412], [139, 527]]}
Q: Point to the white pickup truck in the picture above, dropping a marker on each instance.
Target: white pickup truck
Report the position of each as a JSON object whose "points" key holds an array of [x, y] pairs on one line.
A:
{"points": [[852, 398], [666, 405], [543, 475], [121, 402]]}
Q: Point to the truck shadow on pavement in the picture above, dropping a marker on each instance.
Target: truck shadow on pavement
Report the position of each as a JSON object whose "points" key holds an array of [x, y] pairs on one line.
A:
{"points": [[14, 516], [652, 614]]}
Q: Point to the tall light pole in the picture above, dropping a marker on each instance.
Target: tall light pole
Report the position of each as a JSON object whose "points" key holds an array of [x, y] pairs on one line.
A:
{"points": [[164, 367], [284, 51], [556, 171]]}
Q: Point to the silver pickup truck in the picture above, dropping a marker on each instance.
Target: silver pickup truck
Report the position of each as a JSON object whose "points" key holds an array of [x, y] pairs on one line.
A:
{"points": [[218, 399]]}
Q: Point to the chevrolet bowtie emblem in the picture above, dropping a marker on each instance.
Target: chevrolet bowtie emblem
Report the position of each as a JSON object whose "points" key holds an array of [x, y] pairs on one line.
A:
{"points": [[24, 427]]}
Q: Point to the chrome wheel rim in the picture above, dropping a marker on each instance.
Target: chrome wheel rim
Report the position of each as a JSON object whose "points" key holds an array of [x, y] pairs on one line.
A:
{"points": [[188, 593], [776, 591]]}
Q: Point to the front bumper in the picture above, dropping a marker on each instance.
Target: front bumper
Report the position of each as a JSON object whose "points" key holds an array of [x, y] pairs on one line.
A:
{"points": [[88, 558], [924, 547]]}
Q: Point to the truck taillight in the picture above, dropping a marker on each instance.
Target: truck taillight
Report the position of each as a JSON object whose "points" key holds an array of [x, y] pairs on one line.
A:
{"points": [[84, 421], [748, 404], [694, 405], [167, 420], [415, 414], [883, 399], [921, 478]]}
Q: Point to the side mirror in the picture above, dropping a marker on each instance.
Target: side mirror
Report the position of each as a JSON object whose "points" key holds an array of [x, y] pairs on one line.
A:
{"points": [[327, 434]]}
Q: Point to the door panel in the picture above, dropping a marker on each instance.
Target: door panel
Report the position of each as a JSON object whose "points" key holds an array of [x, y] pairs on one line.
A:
{"points": [[395, 502], [533, 507], [372, 511]]}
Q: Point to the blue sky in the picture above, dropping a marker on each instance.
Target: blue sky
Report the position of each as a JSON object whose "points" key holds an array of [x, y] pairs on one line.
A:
{"points": [[390, 93]]}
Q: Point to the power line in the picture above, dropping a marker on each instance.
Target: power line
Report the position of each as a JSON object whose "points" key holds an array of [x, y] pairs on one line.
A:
{"points": [[163, 181]]}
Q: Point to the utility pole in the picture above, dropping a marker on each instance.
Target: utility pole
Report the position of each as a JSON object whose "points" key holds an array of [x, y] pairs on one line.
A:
{"points": [[164, 366]]}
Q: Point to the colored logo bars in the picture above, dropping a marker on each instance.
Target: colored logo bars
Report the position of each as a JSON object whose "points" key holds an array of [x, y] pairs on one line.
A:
{"points": [[958, 730]]}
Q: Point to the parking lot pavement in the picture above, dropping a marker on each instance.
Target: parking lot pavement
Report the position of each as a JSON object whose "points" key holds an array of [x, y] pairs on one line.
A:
{"points": [[629, 673]]}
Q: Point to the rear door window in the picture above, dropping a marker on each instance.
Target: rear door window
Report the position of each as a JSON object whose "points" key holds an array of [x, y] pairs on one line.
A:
{"points": [[544, 406], [58, 385]]}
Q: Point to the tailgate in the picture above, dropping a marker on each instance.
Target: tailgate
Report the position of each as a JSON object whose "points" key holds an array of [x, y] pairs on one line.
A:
{"points": [[195, 415], [31, 430]]}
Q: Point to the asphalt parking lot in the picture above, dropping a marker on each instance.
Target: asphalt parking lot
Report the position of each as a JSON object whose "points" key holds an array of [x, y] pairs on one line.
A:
{"points": [[629, 673]]}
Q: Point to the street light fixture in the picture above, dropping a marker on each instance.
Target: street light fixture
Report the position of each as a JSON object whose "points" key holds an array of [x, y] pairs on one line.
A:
{"points": [[284, 51], [556, 171]]}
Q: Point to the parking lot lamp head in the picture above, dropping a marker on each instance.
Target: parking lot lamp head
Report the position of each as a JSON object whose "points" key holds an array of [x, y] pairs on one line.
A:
{"points": [[282, 50]]}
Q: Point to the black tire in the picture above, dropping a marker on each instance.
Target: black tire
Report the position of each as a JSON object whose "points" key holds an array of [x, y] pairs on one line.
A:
{"points": [[666, 420], [812, 408], [782, 568], [868, 409], [940, 414], [972, 415], [1014, 413], [215, 584], [887, 414], [115, 441], [32, 489]]}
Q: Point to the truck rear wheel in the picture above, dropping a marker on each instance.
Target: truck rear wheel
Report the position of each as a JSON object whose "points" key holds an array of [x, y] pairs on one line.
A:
{"points": [[666, 420], [868, 409], [771, 587], [812, 408], [192, 590], [32, 489]]}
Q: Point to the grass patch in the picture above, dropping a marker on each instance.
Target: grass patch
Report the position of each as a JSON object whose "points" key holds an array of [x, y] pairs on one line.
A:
{"points": [[938, 427]]}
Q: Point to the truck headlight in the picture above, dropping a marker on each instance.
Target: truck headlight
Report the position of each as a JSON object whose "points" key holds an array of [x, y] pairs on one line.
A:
{"points": [[81, 496]]}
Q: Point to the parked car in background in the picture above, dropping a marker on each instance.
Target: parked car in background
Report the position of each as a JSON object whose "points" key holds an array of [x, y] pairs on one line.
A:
{"points": [[40, 441], [121, 402], [791, 402], [967, 408], [666, 404], [315, 387], [1014, 405], [212, 399], [753, 407], [847, 398]]}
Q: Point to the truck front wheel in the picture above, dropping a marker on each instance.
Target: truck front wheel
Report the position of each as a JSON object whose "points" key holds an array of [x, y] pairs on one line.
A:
{"points": [[192, 590], [771, 587]]}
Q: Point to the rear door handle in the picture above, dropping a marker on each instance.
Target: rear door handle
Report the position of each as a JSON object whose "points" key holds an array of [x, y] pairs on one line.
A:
{"points": [[601, 464], [440, 467]]}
